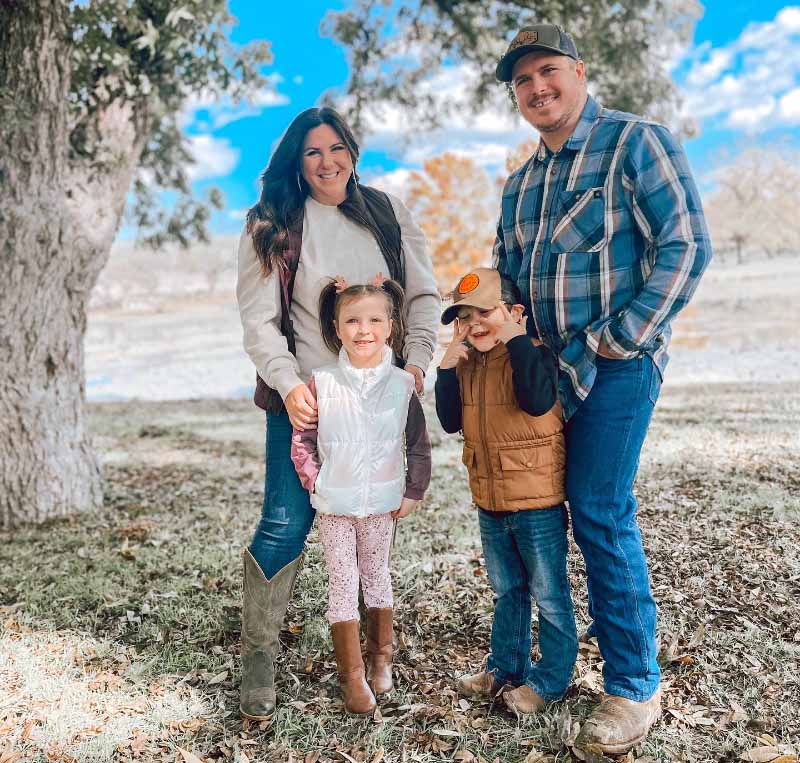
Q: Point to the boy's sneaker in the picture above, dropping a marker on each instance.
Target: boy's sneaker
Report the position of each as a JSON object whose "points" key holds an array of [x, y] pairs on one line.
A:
{"points": [[478, 685], [524, 700]]}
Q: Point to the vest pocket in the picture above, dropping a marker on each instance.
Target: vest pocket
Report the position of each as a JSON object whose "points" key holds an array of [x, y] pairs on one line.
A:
{"points": [[527, 471]]}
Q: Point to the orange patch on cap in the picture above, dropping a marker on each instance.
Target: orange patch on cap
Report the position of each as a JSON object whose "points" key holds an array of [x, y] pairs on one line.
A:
{"points": [[468, 283]]}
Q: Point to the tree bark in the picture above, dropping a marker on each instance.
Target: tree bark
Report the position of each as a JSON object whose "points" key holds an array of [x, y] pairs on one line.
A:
{"points": [[57, 223]]}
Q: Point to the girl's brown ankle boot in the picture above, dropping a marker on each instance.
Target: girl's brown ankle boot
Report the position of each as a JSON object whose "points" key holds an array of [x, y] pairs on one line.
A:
{"points": [[358, 697], [380, 649]]}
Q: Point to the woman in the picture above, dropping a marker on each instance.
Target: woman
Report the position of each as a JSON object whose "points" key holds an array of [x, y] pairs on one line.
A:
{"points": [[312, 221]]}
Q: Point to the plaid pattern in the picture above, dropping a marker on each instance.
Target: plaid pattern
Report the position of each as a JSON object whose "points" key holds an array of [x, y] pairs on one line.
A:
{"points": [[614, 228]]}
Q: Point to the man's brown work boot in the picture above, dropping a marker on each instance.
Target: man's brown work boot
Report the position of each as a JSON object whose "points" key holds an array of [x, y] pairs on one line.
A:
{"points": [[524, 700], [478, 685], [618, 724]]}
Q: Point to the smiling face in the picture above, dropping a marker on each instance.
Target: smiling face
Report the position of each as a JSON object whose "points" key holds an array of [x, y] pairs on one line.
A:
{"points": [[363, 326], [483, 336], [327, 165], [551, 92]]}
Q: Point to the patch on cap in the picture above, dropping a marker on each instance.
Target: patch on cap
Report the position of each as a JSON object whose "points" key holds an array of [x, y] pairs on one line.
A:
{"points": [[468, 283], [524, 38]]}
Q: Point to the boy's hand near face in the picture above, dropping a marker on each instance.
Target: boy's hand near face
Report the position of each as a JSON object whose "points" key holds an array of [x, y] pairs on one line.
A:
{"points": [[510, 326], [456, 350]]}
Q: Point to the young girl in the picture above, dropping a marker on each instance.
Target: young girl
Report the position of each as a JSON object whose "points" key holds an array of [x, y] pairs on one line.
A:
{"points": [[354, 467]]}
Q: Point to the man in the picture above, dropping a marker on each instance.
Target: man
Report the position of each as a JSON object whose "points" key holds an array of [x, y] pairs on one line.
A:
{"points": [[603, 231]]}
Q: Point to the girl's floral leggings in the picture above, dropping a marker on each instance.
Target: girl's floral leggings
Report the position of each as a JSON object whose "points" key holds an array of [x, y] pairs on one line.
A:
{"points": [[356, 548]]}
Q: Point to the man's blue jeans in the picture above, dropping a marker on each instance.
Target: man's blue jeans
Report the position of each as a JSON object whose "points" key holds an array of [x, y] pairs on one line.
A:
{"points": [[604, 439], [287, 514], [526, 554]]}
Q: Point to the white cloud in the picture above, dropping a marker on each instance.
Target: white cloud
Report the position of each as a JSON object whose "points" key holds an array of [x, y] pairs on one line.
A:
{"points": [[750, 118], [394, 182], [790, 106], [750, 83], [213, 157], [222, 110], [718, 61], [486, 137], [237, 214]]}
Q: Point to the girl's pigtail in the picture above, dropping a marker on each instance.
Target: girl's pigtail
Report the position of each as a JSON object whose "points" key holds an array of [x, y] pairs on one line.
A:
{"points": [[398, 298], [327, 316]]}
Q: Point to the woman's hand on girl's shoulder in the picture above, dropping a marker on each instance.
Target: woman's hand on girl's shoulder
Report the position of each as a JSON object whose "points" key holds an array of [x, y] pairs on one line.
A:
{"points": [[301, 405], [419, 377], [407, 505]]}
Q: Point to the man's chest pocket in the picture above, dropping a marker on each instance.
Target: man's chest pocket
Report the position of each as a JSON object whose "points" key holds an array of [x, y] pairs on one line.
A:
{"points": [[582, 225]]}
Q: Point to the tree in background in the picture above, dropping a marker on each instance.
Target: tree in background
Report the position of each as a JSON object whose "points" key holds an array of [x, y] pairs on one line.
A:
{"points": [[90, 95], [754, 207], [456, 206], [394, 47], [519, 155]]}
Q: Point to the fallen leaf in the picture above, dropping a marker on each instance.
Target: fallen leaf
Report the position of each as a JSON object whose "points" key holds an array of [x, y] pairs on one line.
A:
{"points": [[189, 757], [761, 754]]}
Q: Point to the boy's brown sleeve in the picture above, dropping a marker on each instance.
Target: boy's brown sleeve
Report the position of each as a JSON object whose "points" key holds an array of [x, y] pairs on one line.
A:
{"points": [[418, 452]]}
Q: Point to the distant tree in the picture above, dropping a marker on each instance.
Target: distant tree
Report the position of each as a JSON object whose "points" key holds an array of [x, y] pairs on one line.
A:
{"points": [[754, 205], [456, 205], [90, 95], [394, 47], [519, 155]]}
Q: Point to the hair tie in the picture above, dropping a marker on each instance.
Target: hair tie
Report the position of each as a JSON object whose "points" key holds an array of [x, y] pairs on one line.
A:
{"points": [[378, 281], [341, 284]]}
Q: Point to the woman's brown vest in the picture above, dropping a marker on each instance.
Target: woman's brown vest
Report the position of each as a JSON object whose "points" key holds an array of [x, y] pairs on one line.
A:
{"points": [[515, 461]]}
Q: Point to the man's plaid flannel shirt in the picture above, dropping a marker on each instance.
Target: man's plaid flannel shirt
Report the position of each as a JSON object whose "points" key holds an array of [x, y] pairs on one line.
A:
{"points": [[614, 228]]}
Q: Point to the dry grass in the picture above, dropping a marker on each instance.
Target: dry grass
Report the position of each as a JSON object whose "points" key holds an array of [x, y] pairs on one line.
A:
{"points": [[118, 632]]}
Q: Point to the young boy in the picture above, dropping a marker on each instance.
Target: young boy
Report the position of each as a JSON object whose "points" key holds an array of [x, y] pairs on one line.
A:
{"points": [[501, 391]]}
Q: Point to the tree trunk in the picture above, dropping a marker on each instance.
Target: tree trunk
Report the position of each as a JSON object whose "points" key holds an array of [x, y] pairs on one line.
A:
{"points": [[52, 248]]}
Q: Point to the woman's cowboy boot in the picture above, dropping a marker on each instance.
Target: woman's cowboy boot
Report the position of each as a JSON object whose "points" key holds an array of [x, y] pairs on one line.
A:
{"points": [[379, 650], [263, 609], [358, 697]]}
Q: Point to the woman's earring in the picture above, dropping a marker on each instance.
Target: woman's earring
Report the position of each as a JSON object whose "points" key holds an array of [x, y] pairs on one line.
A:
{"points": [[299, 184]]}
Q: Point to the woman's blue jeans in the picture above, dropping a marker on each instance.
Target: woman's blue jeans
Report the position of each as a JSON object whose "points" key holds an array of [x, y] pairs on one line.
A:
{"points": [[604, 438], [287, 514], [526, 554]]}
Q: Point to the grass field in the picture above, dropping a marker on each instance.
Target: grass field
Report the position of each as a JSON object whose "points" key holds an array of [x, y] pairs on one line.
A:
{"points": [[119, 632]]}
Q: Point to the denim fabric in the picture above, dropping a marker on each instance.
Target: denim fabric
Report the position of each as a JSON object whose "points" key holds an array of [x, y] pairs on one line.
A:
{"points": [[604, 439], [287, 514], [526, 554]]}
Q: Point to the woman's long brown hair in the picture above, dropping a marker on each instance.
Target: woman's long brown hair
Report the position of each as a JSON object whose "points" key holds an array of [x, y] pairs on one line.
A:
{"points": [[284, 191]]}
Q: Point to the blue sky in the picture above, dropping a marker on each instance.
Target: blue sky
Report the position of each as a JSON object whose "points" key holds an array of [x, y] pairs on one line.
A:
{"points": [[740, 79]]}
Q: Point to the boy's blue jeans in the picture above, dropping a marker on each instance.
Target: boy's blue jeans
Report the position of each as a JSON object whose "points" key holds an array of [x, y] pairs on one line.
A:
{"points": [[604, 438], [287, 513], [526, 555]]}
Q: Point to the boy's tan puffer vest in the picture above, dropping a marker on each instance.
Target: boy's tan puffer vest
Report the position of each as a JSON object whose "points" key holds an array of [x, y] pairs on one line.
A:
{"points": [[515, 461]]}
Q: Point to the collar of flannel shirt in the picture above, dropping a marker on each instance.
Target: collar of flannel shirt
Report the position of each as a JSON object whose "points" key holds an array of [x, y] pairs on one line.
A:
{"points": [[589, 115]]}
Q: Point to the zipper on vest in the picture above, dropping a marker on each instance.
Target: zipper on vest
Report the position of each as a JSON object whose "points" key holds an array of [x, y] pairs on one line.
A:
{"points": [[482, 398]]}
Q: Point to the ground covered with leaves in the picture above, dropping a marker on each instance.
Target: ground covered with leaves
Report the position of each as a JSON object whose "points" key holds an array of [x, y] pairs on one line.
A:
{"points": [[119, 632]]}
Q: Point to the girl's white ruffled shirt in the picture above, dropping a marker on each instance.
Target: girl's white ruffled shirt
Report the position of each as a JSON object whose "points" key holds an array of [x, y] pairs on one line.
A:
{"points": [[362, 421]]}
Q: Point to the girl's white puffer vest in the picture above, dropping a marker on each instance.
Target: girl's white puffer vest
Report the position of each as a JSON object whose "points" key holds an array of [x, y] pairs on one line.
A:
{"points": [[362, 422]]}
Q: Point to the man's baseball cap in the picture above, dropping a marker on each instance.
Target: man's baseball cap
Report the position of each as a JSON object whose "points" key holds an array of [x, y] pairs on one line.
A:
{"points": [[546, 37], [479, 288]]}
